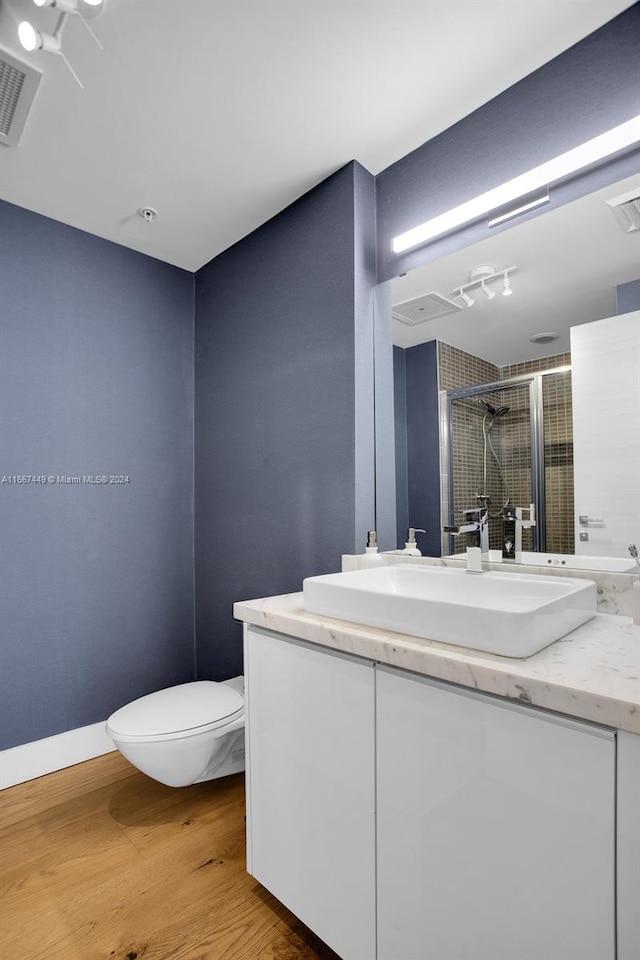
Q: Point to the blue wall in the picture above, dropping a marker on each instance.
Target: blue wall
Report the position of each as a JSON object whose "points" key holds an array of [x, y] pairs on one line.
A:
{"points": [[96, 581], [400, 409], [418, 445], [283, 385], [423, 445], [628, 297], [96, 586]]}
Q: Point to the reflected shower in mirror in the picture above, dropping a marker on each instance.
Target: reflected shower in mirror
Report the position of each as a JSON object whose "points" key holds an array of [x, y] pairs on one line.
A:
{"points": [[483, 370]]}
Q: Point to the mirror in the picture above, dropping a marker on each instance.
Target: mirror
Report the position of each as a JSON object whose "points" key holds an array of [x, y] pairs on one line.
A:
{"points": [[494, 356]]}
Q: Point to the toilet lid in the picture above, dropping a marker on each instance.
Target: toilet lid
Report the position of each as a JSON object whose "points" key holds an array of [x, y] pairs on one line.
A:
{"points": [[176, 709]]}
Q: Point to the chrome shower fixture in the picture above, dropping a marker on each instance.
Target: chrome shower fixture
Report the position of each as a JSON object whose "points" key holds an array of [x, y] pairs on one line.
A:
{"points": [[479, 278], [494, 411]]}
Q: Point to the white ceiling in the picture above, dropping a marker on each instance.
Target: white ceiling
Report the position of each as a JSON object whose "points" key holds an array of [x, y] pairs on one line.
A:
{"points": [[569, 262], [220, 113]]}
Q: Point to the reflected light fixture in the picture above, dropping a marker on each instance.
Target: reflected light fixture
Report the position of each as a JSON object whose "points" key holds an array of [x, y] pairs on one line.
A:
{"points": [[479, 278], [618, 138]]}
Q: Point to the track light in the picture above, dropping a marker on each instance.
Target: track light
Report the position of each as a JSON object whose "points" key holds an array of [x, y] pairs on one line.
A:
{"points": [[33, 39], [29, 37], [64, 6], [479, 278]]}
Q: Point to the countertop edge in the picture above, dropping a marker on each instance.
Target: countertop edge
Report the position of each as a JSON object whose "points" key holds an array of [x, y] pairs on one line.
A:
{"points": [[543, 680]]}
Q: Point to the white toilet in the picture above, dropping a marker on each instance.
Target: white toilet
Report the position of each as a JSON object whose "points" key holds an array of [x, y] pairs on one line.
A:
{"points": [[184, 734]]}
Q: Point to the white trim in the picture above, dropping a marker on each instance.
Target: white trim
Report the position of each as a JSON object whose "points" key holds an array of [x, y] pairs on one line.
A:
{"points": [[31, 760]]}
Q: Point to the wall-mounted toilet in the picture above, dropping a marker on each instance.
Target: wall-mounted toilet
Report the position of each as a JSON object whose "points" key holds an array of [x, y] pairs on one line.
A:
{"points": [[184, 734]]}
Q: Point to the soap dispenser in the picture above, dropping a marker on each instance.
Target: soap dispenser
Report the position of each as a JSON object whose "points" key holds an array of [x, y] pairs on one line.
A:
{"points": [[411, 547], [371, 556]]}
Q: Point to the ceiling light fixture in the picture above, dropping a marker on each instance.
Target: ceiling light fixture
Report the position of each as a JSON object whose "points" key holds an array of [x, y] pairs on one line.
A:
{"points": [[479, 278], [30, 38], [618, 138], [64, 6], [544, 338], [520, 209], [33, 39]]}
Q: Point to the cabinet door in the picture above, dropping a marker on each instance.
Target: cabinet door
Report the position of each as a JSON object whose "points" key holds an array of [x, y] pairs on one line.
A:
{"points": [[495, 828], [310, 790]]}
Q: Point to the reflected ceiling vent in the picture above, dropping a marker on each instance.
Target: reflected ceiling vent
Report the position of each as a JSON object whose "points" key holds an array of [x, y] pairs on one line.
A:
{"points": [[542, 338], [430, 306], [18, 84], [626, 209]]}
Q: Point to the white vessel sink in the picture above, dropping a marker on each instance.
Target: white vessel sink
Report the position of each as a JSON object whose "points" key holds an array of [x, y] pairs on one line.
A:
{"points": [[513, 615]]}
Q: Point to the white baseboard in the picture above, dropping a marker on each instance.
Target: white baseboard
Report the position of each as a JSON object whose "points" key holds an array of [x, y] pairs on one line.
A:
{"points": [[31, 760]]}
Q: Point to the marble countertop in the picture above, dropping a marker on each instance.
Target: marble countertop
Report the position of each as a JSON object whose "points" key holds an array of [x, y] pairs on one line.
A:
{"points": [[593, 673]]}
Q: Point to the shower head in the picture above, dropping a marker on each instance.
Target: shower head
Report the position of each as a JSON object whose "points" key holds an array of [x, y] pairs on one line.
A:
{"points": [[495, 411]]}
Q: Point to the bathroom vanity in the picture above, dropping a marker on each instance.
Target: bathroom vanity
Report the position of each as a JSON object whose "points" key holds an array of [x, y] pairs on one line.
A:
{"points": [[407, 799]]}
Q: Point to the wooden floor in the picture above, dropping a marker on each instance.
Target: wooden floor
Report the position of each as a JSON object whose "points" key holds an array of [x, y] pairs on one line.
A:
{"points": [[98, 862]]}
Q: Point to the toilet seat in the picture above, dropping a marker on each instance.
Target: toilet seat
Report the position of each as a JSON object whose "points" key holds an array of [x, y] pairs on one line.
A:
{"points": [[177, 712]]}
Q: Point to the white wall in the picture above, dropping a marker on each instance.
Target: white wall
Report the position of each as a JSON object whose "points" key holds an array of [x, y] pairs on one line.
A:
{"points": [[605, 360]]}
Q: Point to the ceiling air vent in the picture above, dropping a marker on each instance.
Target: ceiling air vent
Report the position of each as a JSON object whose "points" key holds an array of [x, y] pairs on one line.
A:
{"points": [[18, 84], [626, 208], [430, 306]]}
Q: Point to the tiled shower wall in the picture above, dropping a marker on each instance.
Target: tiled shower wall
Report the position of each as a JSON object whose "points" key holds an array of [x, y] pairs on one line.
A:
{"points": [[511, 438], [459, 369]]}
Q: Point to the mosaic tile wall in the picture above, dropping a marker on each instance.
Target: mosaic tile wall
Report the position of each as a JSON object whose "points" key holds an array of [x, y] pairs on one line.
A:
{"points": [[558, 462], [515, 455], [558, 453], [511, 439], [459, 369]]}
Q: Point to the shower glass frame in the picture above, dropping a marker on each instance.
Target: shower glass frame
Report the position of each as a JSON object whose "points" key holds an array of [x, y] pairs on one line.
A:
{"points": [[536, 414]]}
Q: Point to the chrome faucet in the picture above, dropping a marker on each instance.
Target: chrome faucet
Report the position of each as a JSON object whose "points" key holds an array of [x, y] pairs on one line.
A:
{"points": [[476, 522]]}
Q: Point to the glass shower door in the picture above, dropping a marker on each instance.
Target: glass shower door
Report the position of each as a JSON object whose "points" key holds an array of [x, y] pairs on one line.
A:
{"points": [[490, 442]]}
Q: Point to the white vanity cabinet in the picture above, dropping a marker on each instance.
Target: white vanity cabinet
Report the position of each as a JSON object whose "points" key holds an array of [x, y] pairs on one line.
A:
{"points": [[405, 818], [496, 828], [310, 786]]}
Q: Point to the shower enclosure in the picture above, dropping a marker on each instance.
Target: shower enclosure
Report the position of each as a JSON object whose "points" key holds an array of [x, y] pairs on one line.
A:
{"points": [[511, 441]]}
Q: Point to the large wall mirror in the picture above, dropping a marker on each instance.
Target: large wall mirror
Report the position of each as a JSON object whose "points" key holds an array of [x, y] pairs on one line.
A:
{"points": [[486, 386]]}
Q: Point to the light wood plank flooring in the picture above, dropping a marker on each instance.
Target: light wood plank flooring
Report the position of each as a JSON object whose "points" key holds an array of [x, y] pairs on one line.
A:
{"points": [[98, 862]]}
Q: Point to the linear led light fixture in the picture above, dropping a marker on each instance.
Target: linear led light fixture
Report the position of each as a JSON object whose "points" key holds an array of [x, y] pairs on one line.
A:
{"points": [[624, 135], [520, 209]]}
